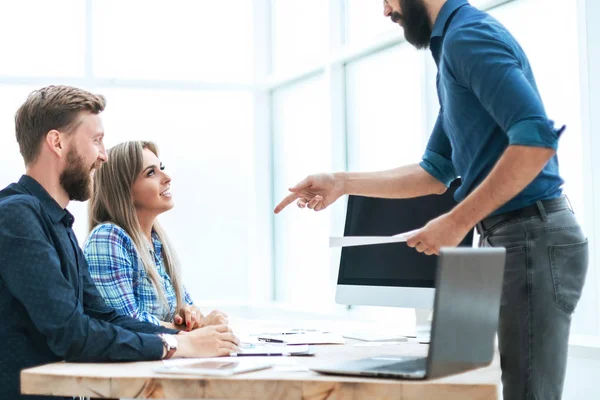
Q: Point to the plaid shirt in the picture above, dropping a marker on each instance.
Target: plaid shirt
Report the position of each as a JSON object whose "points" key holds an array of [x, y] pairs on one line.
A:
{"points": [[119, 275]]}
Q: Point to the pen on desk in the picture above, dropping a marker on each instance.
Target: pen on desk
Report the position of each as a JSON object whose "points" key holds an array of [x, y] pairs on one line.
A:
{"points": [[271, 340], [258, 354]]}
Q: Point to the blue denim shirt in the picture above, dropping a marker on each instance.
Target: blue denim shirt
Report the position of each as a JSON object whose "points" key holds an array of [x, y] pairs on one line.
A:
{"points": [[50, 310], [489, 100]]}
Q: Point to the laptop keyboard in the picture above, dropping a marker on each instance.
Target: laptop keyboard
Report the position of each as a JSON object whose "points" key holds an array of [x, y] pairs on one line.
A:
{"points": [[418, 364]]}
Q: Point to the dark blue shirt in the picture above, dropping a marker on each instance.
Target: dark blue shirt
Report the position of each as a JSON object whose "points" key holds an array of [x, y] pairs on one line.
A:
{"points": [[50, 309], [489, 100]]}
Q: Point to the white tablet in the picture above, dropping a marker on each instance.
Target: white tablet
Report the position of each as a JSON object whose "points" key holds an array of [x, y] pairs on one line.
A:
{"points": [[214, 368]]}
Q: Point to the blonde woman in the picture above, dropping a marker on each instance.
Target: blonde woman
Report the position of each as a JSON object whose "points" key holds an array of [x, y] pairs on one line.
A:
{"points": [[129, 256]]}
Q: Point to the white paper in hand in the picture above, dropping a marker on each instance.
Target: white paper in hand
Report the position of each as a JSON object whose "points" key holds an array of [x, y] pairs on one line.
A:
{"points": [[347, 241]]}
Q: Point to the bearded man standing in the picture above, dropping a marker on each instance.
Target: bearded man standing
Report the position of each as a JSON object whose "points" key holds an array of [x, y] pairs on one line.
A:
{"points": [[493, 132]]}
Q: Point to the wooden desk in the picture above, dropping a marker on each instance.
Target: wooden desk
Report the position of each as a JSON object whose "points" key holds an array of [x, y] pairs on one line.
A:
{"points": [[137, 380]]}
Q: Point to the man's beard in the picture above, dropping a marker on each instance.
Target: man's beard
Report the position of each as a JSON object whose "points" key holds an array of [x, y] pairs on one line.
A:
{"points": [[415, 21], [75, 178]]}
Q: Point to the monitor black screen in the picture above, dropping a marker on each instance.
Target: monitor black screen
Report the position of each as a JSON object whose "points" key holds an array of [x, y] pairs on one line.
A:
{"points": [[393, 264]]}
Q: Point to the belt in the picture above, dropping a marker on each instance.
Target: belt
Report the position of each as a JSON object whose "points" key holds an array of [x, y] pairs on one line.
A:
{"points": [[538, 209]]}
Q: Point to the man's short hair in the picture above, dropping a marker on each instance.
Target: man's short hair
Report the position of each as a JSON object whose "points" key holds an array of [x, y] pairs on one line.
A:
{"points": [[52, 107]]}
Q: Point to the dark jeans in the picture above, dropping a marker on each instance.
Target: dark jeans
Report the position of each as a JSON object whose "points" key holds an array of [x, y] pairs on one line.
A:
{"points": [[546, 265]]}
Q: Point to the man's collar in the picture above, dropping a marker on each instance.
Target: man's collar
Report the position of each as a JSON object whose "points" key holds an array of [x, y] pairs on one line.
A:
{"points": [[445, 13], [54, 210]]}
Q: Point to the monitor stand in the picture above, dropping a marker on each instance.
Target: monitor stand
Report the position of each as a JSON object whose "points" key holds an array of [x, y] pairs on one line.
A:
{"points": [[423, 318]]}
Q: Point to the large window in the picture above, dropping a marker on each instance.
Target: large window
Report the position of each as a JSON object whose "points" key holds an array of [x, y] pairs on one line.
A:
{"points": [[178, 40], [250, 98], [385, 109], [360, 112], [180, 74], [364, 22], [42, 38], [299, 34], [206, 153], [302, 145], [11, 162]]}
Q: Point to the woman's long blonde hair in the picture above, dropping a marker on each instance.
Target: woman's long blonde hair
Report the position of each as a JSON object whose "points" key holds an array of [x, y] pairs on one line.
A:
{"points": [[112, 202]]}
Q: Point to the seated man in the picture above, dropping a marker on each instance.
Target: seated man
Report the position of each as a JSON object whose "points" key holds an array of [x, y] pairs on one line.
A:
{"points": [[49, 307]]}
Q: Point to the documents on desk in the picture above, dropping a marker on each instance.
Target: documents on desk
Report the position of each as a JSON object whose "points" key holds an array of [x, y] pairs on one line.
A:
{"points": [[302, 337], [348, 241], [276, 349]]}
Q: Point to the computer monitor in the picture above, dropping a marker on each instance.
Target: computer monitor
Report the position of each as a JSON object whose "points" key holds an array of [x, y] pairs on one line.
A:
{"points": [[391, 274]]}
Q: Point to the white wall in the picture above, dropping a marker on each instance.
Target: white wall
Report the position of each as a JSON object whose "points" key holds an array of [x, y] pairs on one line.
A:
{"points": [[583, 368]]}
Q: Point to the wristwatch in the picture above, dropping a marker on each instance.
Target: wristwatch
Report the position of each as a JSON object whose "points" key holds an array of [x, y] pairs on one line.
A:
{"points": [[170, 344]]}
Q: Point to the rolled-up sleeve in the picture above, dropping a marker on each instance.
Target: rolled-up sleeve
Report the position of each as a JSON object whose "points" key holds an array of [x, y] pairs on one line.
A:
{"points": [[487, 65], [437, 160]]}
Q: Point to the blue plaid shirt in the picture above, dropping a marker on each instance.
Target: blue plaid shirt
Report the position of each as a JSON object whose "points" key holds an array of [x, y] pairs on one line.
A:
{"points": [[119, 275]]}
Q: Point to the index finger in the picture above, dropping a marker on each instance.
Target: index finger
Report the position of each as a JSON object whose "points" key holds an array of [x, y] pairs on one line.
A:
{"points": [[286, 201], [188, 317]]}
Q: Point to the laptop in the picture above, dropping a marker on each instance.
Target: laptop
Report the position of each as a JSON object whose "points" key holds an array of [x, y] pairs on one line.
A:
{"points": [[465, 320]]}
